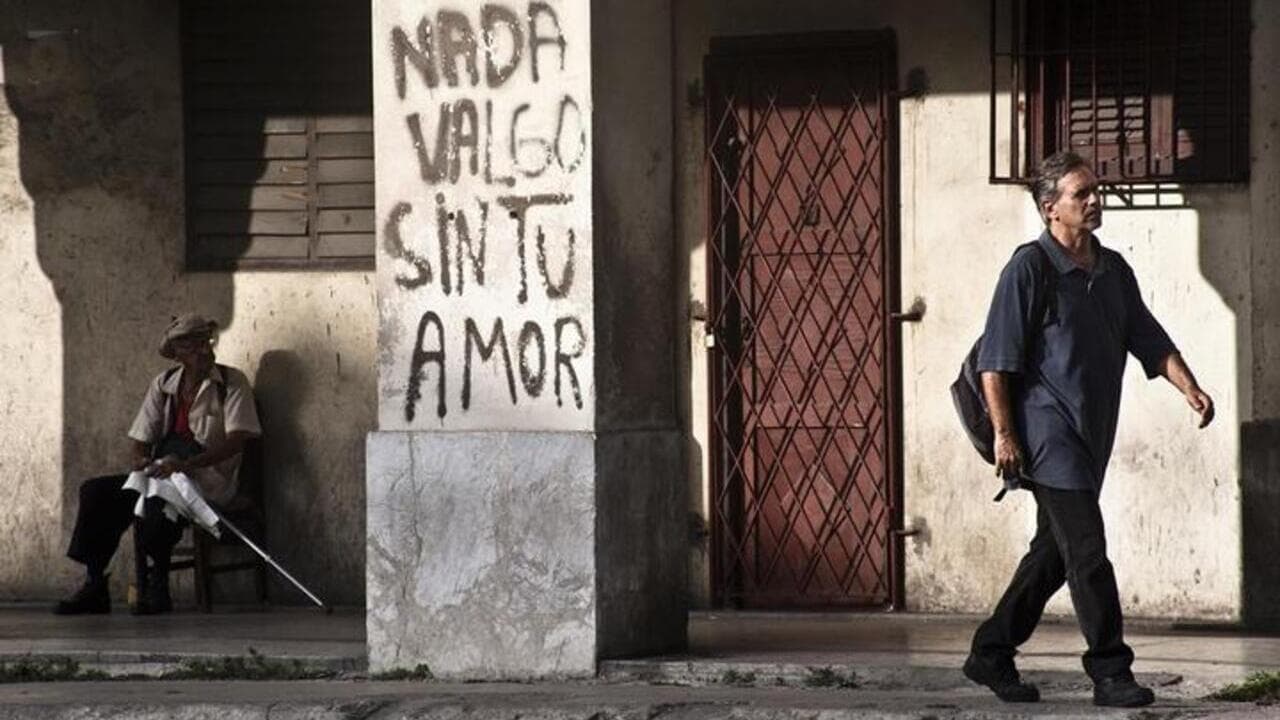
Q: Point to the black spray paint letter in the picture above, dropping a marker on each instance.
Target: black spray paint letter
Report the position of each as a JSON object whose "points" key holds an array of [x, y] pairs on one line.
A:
{"points": [[456, 41], [477, 344], [533, 381], [402, 49], [493, 17], [422, 356], [537, 39], [394, 245], [559, 290], [431, 168], [563, 358], [467, 250], [518, 206]]}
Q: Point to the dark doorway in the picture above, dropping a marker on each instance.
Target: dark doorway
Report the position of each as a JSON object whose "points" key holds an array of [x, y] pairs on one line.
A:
{"points": [[801, 155]]}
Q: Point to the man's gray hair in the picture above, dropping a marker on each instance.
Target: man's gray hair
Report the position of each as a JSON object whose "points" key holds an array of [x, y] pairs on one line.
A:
{"points": [[1044, 187]]}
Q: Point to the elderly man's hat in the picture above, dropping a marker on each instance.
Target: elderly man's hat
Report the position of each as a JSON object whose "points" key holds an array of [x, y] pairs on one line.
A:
{"points": [[183, 326]]}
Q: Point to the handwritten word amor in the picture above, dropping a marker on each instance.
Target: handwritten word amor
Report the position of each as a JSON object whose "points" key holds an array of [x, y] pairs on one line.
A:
{"points": [[531, 360]]}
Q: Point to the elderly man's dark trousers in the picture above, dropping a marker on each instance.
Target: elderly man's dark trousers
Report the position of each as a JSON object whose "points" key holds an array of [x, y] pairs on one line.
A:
{"points": [[1069, 546], [106, 511]]}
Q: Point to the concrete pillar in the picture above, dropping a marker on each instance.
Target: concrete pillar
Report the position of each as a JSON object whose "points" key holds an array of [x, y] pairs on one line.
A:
{"points": [[526, 509]]}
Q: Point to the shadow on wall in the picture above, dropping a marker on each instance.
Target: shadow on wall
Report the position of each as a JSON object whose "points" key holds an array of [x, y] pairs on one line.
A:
{"points": [[1223, 231], [281, 388], [96, 93]]}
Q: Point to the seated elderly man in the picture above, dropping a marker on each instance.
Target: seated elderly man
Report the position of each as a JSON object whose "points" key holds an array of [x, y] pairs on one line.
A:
{"points": [[194, 420]]}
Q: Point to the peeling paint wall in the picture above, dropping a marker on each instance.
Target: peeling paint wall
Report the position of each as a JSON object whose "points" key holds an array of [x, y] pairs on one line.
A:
{"points": [[92, 215], [1172, 501]]}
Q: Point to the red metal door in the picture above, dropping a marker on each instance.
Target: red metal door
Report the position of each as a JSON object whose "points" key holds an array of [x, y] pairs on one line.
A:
{"points": [[801, 274]]}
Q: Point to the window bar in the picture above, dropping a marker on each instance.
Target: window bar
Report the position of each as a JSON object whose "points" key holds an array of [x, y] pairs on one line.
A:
{"points": [[1229, 49], [1093, 81], [1197, 148], [1146, 91], [991, 115], [1040, 99], [1015, 71], [1064, 110], [1175, 55], [1122, 122]]}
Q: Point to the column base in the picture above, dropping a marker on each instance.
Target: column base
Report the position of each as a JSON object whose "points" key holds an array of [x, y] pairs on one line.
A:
{"points": [[480, 553]]}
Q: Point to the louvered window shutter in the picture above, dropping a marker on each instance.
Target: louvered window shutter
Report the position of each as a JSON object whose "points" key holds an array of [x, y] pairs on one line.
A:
{"points": [[279, 134]]}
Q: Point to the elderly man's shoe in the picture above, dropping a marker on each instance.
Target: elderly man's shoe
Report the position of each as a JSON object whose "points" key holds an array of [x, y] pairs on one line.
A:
{"points": [[1002, 678], [91, 599], [1121, 691]]}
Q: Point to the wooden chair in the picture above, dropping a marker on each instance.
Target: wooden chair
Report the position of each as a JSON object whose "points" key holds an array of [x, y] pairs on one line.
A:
{"points": [[246, 511]]}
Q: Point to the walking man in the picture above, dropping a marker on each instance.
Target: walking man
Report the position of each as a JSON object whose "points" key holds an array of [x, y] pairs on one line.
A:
{"points": [[1052, 370]]}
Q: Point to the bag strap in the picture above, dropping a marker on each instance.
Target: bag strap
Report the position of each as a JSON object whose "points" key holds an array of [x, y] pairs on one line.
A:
{"points": [[1045, 307], [1045, 302]]}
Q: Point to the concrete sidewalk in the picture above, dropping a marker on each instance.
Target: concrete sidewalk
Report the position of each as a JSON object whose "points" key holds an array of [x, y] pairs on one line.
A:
{"points": [[359, 700], [742, 665]]}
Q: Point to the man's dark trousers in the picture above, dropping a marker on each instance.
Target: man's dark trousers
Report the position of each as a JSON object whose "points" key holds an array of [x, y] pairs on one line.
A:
{"points": [[1069, 546], [106, 511]]}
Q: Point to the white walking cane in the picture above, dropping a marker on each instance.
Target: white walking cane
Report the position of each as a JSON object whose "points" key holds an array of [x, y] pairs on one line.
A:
{"points": [[270, 561]]}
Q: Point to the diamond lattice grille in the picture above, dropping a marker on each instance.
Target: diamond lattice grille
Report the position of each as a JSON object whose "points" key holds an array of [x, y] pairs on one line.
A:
{"points": [[800, 491]]}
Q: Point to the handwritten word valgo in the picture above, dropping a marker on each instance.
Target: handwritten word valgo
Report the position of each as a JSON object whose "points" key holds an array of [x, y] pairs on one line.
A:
{"points": [[462, 128], [531, 360]]}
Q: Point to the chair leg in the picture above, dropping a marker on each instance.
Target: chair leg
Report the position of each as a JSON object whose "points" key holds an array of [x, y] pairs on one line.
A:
{"points": [[260, 581], [200, 567], [139, 562]]}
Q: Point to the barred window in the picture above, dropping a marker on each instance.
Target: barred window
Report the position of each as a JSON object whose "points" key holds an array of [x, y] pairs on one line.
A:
{"points": [[278, 133], [1149, 91]]}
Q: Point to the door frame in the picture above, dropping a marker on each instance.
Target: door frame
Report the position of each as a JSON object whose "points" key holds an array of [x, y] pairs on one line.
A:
{"points": [[882, 42]]}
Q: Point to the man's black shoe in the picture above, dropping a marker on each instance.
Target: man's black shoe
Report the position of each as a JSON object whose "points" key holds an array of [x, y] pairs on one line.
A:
{"points": [[1121, 691], [1002, 678], [91, 599]]}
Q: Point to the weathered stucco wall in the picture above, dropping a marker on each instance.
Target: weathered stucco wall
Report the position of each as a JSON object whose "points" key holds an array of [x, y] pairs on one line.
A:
{"points": [[1172, 500], [92, 237]]}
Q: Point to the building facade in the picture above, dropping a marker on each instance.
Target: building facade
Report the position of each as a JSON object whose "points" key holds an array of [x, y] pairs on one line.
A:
{"points": [[667, 296]]}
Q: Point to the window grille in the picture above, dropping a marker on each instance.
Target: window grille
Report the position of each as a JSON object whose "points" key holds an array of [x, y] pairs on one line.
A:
{"points": [[1148, 91], [279, 134]]}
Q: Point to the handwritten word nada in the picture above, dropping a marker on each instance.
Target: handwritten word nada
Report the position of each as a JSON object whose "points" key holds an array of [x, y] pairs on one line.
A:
{"points": [[450, 48]]}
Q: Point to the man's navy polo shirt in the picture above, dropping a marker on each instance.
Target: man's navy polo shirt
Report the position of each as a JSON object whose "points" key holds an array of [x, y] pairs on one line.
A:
{"points": [[1072, 368]]}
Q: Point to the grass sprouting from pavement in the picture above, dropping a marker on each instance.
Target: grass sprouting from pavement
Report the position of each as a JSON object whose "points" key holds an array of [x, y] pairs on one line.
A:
{"points": [[737, 679], [251, 667], [1258, 687], [418, 672], [827, 677], [45, 669]]}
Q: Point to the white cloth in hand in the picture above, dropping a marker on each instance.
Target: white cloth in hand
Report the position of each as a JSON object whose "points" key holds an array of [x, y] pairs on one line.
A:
{"points": [[181, 497]]}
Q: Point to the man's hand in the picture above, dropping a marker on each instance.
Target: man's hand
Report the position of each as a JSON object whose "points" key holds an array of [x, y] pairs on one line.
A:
{"points": [[1200, 401], [1175, 370], [167, 466], [1008, 455]]}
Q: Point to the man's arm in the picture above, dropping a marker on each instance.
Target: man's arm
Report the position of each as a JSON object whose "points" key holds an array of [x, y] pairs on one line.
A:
{"points": [[1175, 370], [1008, 450], [230, 446]]}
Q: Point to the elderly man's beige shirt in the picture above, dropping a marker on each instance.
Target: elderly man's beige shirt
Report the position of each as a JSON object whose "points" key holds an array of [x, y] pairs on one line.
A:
{"points": [[210, 419]]}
